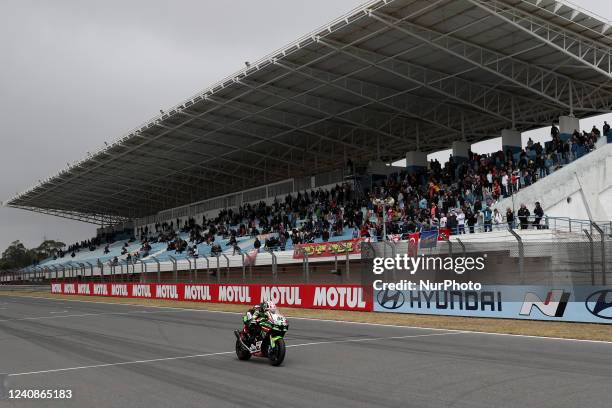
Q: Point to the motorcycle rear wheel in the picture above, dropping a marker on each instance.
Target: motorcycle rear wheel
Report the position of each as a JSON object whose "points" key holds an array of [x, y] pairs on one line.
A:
{"points": [[241, 352], [277, 354]]}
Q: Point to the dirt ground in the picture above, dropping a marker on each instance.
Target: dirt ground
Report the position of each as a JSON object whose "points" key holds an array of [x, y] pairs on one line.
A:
{"points": [[581, 331]]}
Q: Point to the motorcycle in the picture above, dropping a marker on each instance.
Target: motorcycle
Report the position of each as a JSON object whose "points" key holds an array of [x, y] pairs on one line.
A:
{"points": [[269, 342]]}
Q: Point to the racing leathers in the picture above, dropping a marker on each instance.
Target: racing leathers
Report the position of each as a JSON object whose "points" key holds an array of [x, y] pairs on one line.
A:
{"points": [[252, 318]]}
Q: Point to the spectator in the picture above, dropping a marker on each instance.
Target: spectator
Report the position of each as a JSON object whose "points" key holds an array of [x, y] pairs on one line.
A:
{"points": [[523, 216], [497, 219], [487, 218], [471, 220], [554, 131], [443, 220], [510, 218], [539, 214], [460, 221], [216, 250]]}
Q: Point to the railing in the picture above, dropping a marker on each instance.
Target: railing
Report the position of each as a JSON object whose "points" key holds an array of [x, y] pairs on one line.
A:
{"points": [[461, 240]]}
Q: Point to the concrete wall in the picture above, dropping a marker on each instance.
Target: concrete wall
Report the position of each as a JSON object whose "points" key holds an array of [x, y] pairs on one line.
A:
{"points": [[580, 190]]}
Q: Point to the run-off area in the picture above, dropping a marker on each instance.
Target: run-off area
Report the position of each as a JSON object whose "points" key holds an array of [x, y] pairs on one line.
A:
{"points": [[133, 356]]}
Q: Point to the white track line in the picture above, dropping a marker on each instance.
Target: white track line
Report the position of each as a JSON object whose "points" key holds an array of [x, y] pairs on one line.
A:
{"points": [[527, 336], [155, 360]]}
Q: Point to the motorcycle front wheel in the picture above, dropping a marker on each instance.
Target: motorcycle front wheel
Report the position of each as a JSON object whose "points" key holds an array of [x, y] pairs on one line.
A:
{"points": [[277, 354]]}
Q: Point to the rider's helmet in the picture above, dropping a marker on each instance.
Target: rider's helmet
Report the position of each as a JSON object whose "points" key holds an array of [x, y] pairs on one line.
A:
{"points": [[268, 306]]}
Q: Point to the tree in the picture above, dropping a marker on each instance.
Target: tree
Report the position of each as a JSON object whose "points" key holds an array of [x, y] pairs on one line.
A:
{"points": [[18, 256], [48, 248]]}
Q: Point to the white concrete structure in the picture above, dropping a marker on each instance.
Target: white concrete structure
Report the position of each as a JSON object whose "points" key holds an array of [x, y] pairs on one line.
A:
{"points": [[580, 190]]}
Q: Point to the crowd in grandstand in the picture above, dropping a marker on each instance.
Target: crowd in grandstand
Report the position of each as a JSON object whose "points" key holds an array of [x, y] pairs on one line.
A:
{"points": [[89, 245], [458, 197]]}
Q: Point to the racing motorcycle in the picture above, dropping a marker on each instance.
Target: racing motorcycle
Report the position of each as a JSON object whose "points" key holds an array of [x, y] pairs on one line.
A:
{"points": [[269, 342]]}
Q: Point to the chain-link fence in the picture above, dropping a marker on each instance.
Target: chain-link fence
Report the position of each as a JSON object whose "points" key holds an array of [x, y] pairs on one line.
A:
{"points": [[542, 257]]}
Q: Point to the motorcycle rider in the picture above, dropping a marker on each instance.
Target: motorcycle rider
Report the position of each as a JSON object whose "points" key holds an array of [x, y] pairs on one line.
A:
{"points": [[252, 319]]}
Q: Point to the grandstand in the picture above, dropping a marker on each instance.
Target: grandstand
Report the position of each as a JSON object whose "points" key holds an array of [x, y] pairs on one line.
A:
{"points": [[392, 79]]}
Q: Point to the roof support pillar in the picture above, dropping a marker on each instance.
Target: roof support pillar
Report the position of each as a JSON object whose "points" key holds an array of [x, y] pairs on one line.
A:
{"points": [[416, 161], [567, 126], [511, 140], [461, 150]]}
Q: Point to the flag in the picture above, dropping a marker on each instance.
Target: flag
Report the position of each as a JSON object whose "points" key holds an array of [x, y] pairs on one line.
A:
{"points": [[413, 244], [394, 237], [429, 239], [444, 234], [250, 257]]}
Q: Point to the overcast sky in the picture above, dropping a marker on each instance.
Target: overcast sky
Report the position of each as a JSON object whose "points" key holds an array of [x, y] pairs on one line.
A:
{"points": [[74, 74]]}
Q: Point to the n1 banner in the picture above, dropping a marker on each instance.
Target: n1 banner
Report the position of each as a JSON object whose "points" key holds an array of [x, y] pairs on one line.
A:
{"points": [[337, 297], [324, 249]]}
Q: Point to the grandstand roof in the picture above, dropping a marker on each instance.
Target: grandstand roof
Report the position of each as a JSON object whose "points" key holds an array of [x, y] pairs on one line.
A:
{"points": [[389, 77]]}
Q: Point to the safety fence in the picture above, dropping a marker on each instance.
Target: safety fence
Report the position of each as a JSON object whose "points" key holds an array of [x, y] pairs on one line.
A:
{"points": [[537, 274], [556, 302]]}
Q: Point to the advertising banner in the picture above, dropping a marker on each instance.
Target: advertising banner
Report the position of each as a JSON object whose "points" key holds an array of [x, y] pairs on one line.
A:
{"points": [[323, 249], [590, 304], [337, 297]]}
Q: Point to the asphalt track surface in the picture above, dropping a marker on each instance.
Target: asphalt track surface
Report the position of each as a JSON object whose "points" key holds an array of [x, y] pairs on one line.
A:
{"points": [[113, 355]]}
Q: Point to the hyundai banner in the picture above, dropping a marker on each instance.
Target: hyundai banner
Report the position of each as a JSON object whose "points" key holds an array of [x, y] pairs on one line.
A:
{"points": [[591, 304]]}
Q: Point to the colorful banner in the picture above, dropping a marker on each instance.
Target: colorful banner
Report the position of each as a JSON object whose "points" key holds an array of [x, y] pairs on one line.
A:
{"points": [[250, 257], [588, 304], [394, 237], [429, 239], [323, 249], [337, 297], [264, 237], [444, 234]]}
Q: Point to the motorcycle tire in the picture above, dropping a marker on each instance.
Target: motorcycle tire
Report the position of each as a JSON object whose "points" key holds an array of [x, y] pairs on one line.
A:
{"points": [[277, 354], [241, 352]]}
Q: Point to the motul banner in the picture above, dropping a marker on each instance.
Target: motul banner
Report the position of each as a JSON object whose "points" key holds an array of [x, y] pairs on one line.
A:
{"points": [[337, 297], [323, 249]]}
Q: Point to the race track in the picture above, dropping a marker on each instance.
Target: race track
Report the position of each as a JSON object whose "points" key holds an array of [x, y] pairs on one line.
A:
{"points": [[113, 355]]}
